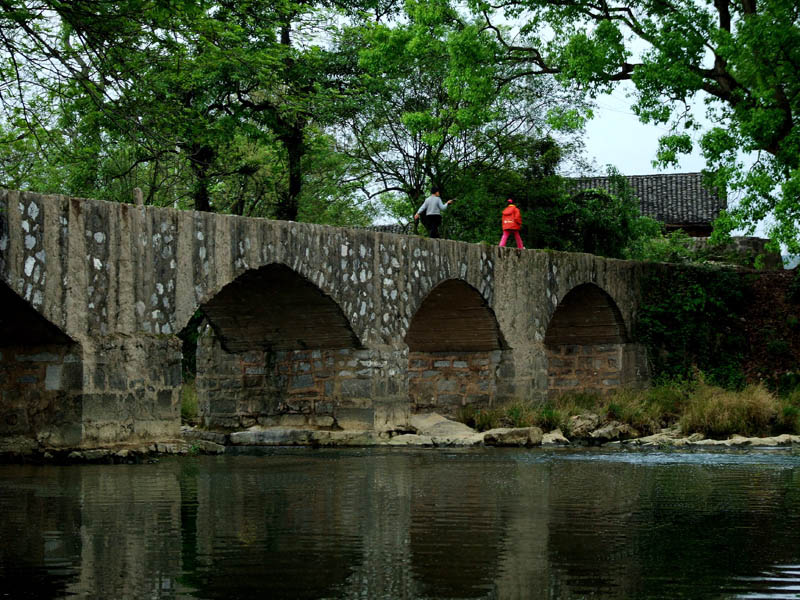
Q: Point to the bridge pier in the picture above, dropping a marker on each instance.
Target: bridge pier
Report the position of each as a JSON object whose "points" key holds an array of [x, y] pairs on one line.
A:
{"points": [[99, 392]]}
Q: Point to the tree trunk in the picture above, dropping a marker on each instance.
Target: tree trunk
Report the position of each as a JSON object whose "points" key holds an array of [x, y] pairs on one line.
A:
{"points": [[200, 161], [294, 143]]}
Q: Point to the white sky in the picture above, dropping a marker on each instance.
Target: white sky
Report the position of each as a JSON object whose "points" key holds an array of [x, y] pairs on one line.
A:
{"points": [[615, 136]]}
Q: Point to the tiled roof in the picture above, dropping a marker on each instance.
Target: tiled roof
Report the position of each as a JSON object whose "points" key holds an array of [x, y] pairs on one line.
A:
{"points": [[678, 199]]}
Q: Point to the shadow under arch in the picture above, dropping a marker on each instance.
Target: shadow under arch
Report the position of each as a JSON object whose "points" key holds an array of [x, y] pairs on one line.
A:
{"points": [[454, 317], [279, 352], [585, 343], [455, 348], [23, 325], [276, 308]]}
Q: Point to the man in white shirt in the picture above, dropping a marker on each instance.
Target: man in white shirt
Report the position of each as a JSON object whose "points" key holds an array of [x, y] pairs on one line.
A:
{"points": [[432, 207]]}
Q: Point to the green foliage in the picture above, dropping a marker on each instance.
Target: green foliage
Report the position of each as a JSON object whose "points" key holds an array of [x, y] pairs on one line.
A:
{"points": [[189, 412], [794, 288], [751, 92], [692, 320], [674, 247], [690, 404], [207, 105], [485, 419]]}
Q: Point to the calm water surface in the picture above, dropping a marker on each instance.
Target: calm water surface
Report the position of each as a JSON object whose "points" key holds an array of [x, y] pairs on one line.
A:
{"points": [[393, 523]]}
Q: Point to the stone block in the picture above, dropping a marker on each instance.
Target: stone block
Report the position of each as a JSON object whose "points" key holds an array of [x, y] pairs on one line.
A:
{"points": [[166, 401], [449, 400], [39, 357], [294, 421], [52, 380], [99, 378], [102, 407], [355, 418], [323, 421], [356, 388], [252, 381], [301, 382], [447, 386]]}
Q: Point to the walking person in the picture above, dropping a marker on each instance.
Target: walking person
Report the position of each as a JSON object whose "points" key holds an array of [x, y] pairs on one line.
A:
{"points": [[512, 223], [432, 209]]}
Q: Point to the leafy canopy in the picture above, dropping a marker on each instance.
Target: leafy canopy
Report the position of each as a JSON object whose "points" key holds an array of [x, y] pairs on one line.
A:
{"points": [[742, 59]]}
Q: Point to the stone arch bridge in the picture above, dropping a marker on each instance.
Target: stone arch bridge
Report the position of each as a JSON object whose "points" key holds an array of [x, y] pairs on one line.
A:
{"points": [[306, 325]]}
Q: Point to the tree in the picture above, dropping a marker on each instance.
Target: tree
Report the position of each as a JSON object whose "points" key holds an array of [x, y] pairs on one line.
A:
{"points": [[434, 108], [741, 58], [201, 89]]}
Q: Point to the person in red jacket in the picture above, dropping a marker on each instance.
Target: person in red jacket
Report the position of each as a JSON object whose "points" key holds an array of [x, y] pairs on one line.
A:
{"points": [[512, 223]]}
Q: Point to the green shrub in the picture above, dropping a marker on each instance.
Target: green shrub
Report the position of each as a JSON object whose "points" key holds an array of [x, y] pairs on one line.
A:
{"points": [[794, 288], [519, 415], [549, 418], [692, 319], [788, 419], [189, 411]]}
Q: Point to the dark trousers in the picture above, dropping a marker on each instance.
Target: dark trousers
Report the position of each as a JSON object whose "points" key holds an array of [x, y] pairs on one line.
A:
{"points": [[432, 223]]}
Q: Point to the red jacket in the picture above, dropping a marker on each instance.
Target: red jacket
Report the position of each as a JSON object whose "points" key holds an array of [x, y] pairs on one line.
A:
{"points": [[512, 220]]}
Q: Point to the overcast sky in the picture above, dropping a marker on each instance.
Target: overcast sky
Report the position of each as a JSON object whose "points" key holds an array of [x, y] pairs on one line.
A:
{"points": [[616, 136]]}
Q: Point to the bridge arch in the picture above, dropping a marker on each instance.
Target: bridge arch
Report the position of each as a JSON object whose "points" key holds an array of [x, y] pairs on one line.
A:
{"points": [[455, 346], [277, 351], [276, 308], [585, 342]]}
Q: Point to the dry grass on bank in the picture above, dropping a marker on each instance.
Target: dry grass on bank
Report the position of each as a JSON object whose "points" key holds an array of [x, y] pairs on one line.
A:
{"points": [[694, 406]]}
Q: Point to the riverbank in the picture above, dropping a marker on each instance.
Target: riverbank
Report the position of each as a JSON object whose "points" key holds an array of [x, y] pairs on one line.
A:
{"points": [[423, 431]]}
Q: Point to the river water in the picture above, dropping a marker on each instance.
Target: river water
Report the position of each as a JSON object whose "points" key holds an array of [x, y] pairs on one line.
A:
{"points": [[396, 523]]}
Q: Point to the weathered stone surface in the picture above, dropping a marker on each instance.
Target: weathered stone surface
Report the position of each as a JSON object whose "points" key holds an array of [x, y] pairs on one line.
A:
{"points": [[18, 445], [444, 432], [207, 447], [613, 431], [554, 438], [346, 438], [581, 426], [519, 436], [278, 436], [410, 439]]}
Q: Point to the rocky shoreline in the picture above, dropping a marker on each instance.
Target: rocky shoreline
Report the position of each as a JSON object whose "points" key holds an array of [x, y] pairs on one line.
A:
{"points": [[426, 431]]}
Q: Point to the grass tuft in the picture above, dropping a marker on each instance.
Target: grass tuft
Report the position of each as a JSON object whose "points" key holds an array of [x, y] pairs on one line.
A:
{"points": [[189, 402]]}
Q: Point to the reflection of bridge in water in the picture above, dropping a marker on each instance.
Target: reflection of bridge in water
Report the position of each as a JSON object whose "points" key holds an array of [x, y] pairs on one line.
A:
{"points": [[307, 325]]}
